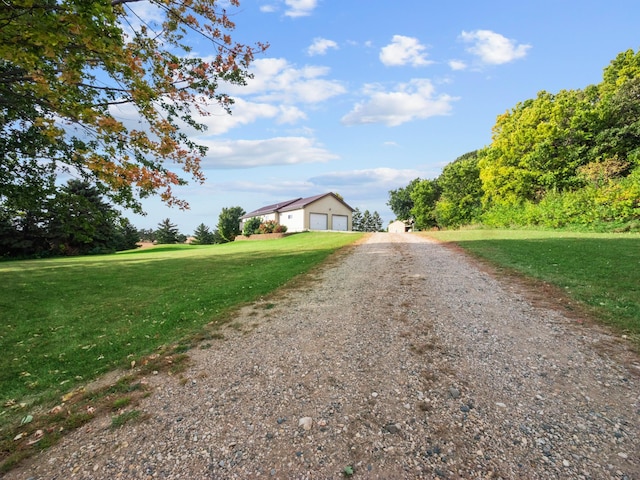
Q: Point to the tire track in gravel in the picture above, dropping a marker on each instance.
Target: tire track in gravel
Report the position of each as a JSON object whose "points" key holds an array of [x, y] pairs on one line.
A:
{"points": [[408, 360]]}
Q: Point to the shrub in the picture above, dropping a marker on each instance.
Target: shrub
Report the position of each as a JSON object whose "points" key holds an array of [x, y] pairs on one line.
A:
{"points": [[251, 226], [268, 226]]}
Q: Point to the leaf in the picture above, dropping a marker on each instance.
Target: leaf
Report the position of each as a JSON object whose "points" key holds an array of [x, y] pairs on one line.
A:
{"points": [[26, 419]]}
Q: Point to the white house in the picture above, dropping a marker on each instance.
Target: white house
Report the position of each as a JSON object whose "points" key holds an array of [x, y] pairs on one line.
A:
{"points": [[320, 212]]}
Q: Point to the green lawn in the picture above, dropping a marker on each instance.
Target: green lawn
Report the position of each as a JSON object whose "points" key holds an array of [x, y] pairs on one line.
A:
{"points": [[600, 270], [65, 321]]}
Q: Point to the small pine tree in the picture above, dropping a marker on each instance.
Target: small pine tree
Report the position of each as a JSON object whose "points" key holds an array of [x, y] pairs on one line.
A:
{"points": [[167, 232], [376, 222], [356, 220], [202, 235], [365, 226]]}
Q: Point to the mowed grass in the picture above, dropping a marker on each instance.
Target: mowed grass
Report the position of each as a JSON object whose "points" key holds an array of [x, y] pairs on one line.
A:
{"points": [[601, 271], [66, 321]]}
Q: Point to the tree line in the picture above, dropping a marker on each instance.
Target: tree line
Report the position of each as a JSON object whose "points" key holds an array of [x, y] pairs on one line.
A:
{"points": [[570, 159]]}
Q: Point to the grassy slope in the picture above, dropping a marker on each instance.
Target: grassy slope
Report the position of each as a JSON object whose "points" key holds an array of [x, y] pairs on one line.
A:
{"points": [[67, 320], [601, 271]]}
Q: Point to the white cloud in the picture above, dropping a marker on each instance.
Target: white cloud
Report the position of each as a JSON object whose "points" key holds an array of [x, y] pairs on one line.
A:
{"points": [[299, 8], [457, 65], [320, 46], [404, 51], [493, 48], [260, 153], [366, 183], [268, 8], [275, 80], [409, 101]]}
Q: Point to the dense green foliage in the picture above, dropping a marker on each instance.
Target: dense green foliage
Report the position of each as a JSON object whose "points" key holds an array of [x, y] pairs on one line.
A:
{"points": [[73, 220], [600, 270], [167, 232], [460, 201], [203, 236], [400, 200], [251, 226], [366, 221], [565, 159], [425, 195], [67, 320], [229, 223]]}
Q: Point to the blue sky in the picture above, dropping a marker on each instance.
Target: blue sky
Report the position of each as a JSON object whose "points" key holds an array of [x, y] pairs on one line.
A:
{"points": [[359, 97]]}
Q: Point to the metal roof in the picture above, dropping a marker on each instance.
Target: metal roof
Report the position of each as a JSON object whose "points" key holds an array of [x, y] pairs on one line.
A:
{"points": [[289, 205]]}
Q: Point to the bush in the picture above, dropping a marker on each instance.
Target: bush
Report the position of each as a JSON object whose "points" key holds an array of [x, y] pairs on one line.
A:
{"points": [[251, 226], [268, 226]]}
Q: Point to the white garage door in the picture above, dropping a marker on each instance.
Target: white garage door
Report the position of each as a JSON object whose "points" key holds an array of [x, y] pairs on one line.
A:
{"points": [[340, 222], [318, 221]]}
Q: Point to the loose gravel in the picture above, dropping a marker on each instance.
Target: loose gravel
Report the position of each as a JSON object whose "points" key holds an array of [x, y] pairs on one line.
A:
{"points": [[398, 360]]}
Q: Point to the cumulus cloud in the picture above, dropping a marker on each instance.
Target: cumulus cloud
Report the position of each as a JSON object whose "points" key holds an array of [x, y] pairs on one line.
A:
{"points": [[410, 101], [245, 113], [275, 80], [493, 48], [260, 153], [375, 176], [457, 65], [404, 51], [299, 8], [320, 46]]}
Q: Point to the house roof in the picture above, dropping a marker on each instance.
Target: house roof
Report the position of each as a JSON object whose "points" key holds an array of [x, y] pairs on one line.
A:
{"points": [[269, 208], [289, 205]]}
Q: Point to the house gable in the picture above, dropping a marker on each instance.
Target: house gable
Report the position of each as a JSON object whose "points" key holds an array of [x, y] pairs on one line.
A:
{"points": [[319, 212]]}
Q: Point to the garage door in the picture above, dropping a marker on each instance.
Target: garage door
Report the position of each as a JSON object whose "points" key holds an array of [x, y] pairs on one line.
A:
{"points": [[340, 222], [318, 221]]}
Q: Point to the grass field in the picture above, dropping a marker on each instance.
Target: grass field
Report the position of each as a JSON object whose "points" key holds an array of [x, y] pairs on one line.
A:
{"points": [[601, 271], [65, 321]]}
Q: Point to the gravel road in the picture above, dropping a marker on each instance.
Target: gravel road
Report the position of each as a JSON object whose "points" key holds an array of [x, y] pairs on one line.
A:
{"points": [[399, 359]]}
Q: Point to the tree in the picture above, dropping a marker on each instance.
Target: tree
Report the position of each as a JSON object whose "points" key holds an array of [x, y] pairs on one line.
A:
{"points": [[80, 222], [127, 236], [356, 220], [400, 200], [425, 195], [229, 223], [376, 222], [460, 201], [366, 222], [68, 69], [167, 232], [202, 235], [147, 235]]}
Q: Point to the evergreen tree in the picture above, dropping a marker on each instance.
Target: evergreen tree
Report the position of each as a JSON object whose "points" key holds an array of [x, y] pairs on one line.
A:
{"points": [[80, 222], [127, 237], [356, 219], [376, 222], [202, 235], [365, 226], [167, 232]]}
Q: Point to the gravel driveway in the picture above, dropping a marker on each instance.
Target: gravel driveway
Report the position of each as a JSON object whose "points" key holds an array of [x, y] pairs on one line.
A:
{"points": [[399, 359]]}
